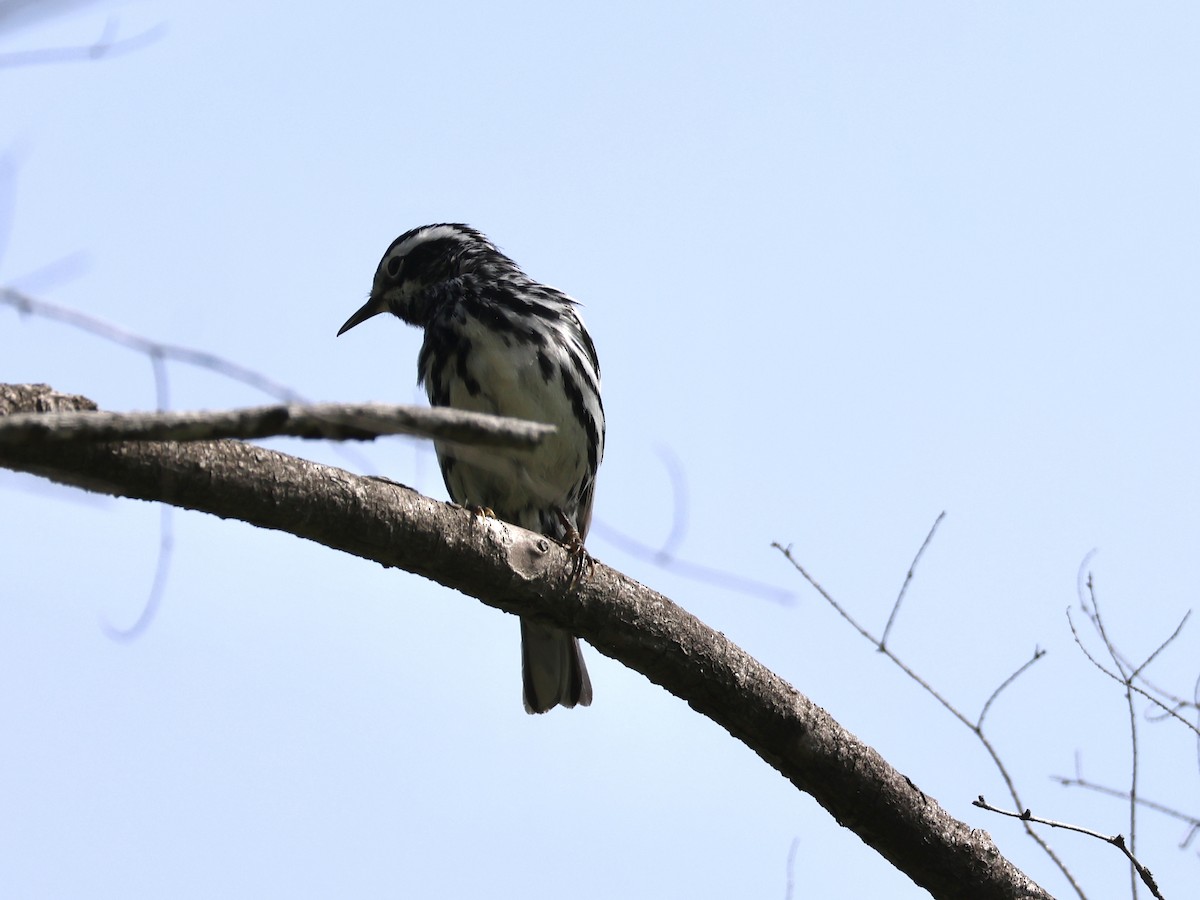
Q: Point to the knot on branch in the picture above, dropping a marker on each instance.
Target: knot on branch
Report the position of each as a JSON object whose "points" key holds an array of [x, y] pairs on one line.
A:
{"points": [[39, 398]]}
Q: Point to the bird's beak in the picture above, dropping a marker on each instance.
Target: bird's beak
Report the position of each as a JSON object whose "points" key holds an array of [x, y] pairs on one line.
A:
{"points": [[372, 307]]}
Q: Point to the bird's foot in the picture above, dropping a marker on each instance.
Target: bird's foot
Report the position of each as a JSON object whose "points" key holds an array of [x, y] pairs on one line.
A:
{"points": [[477, 511], [582, 563]]}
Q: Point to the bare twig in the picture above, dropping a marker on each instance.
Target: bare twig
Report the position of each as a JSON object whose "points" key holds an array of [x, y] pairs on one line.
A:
{"points": [[1137, 670], [679, 493], [1038, 653], [1116, 840], [1193, 822], [691, 570], [887, 629], [25, 304], [162, 568]]}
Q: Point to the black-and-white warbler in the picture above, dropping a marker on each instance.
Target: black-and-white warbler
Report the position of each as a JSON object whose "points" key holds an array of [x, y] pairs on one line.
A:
{"points": [[497, 341]]}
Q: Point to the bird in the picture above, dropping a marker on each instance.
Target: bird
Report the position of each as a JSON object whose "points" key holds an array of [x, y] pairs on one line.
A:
{"points": [[497, 341]]}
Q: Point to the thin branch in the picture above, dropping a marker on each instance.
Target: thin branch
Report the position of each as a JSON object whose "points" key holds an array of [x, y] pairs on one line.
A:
{"points": [[1038, 653], [1137, 670], [332, 421], [887, 629], [1116, 840]]}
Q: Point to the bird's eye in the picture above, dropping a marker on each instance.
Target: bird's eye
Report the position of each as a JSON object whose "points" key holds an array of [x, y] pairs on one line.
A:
{"points": [[393, 266]]}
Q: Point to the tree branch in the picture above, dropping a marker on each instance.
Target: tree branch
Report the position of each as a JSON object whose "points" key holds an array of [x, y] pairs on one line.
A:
{"points": [[522, 572], [337, 421]]}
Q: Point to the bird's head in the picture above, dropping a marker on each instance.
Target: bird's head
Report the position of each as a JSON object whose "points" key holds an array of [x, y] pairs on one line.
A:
{"points": [[419, 259]]}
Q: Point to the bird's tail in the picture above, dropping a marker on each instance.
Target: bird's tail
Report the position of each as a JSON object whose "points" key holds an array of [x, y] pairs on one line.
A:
{"points": [[552, 668]]}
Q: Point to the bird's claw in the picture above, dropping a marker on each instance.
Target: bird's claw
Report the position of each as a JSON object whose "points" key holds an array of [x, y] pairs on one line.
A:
{"points": [[582, 563]]}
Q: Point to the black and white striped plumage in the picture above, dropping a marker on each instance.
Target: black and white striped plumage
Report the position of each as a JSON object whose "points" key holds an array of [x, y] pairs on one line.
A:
{"points": [[497, 341]]}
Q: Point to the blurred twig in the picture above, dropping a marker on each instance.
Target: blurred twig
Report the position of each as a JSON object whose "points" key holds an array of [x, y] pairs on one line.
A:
{"points": [[791, 868], [162, 568], [105, 46], [28, 305], [1193, 822], [691, 570]]}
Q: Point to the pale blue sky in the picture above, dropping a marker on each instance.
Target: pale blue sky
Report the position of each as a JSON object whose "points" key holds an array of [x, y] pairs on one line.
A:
{"points": [[851, 264]]}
